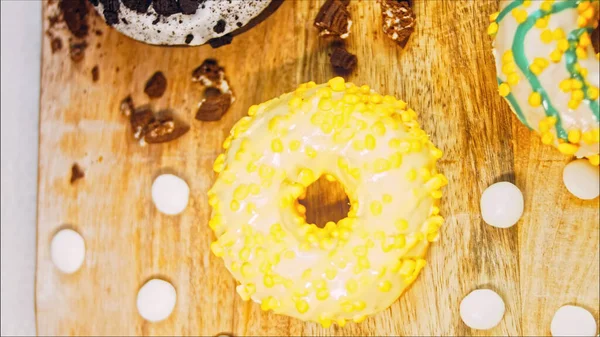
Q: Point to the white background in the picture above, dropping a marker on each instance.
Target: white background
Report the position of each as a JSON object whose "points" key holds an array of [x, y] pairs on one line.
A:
{"points": [[21, 51]]}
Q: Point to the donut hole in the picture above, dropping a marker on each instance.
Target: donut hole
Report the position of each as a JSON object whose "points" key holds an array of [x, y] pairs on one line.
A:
{"points": [[325, 201]]}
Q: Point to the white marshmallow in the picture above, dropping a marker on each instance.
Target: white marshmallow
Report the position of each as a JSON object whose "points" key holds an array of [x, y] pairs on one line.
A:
{"points": [[156, 300], [502, 205], [67, 251], [482, 309], [571, 320], [582, 179], [170, 194]]}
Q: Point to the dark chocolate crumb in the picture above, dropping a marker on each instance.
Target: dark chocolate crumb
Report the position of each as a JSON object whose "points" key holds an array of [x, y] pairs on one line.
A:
{"points": [[124, 21], [98, 32], [127, 107], [341, 59], [219, 27], [77, 51], [139, 120], [213, 106], [164, 128], [140, 6], [56, 44], [333, 19], [156, 85], [76, 173], [189, 38], [95, 73], [111, 11], [209, 69], [398, 20], [189, 6], [75, 16], [166, 7], [221, 41]]}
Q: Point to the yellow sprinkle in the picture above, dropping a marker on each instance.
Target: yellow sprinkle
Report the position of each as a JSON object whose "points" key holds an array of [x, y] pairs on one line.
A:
{"points": [[252, 110], [574, 104], [411, 175], [581, 53], [322, 294], [526, 3], [546, 36], [219, 164], [494, 16], [325, 104], [235, 205], [591, 137], [513, 79], [565, 85], [324, 93], [563, 45], [592, 93], [310, 152], [378, 128], [542, 23], [594, 159], [509, 68], [387, 198], [574, 136], [241, 192], [376, 208], [408, 266], [519, 14], [585, 40], [569, 149], [547, 138], [276, 145], [507, 56], [352, 286], [504, 89], [385, 286], [535, 99], [381, 165], [546, 6], [370, 142], [492, 28], [295, 102], [337, 83], [306, 177], [246, 269], [577, 95], [558, 34], [302, 306], [217, 249], [351, 99], [555, 56], [375, 98], [576, 84], [536, 69]]}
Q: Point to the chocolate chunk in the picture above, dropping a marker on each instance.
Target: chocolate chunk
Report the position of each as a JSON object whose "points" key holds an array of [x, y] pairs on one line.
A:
{"points": [[333, 19], [76, 173], [189, 6], [127, 106], [189, 38], [221, 41], [220, 26], [596, 38], [140, 119], [140, 6], [398, 20], [208, 70], [95, 74], [94, 2], [164, 128], [156, 85], [56, 44], [75, 16], [166, 7], [342, 59], [111, 11], [213, 106], [77, 51]]}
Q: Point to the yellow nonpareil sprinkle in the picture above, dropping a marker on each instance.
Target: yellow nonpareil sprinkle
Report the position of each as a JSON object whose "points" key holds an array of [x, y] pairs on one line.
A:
{"points": [[513, 79], [494, 16], [376, 208], [370, 142], [569, 149], [558, 34], [504, 89], [574, 136], [492, 28], [385, 286], [277, 145], [555, 56], [547, 138], [542, 23], [546, 36], [519, 14], [565, 85], [337, 83], [594, 159], [563, 45], [535, 99], [592, 93]]}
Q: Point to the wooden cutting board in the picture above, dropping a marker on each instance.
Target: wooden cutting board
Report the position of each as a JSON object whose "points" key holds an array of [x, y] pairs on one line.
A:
{"points": [[446, 73]]}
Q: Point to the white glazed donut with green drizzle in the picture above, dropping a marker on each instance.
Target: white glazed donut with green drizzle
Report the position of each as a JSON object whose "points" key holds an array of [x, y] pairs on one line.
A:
{"points": [[548, 71]]}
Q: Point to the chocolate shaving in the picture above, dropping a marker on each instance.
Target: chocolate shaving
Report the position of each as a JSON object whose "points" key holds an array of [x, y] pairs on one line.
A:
{"points": [[76, 173], [156, 85], [213, 107], [333, 19], [341, 59], [77, 51], [398, 20]]}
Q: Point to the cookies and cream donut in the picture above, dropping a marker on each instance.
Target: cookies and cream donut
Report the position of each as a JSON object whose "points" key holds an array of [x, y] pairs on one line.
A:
{"points": [[373, 145], [548, 71], [179, 22]]}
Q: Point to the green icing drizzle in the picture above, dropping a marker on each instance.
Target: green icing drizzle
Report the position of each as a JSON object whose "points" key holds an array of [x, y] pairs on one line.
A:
{"points": [[508, 9], [516, 108], [518, 49], [571, 60]]}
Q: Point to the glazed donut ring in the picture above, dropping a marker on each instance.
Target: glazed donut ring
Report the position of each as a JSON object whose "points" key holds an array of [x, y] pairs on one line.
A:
{"points": [[548, 70], [350, 269]]}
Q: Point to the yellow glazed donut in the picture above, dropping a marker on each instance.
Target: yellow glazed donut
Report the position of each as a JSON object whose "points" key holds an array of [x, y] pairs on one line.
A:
{"points": [[358, 266], [548, 70]]}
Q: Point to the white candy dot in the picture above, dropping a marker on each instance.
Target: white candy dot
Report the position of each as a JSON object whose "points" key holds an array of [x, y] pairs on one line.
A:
{"points": [[67, 251], [571, 320], [501, 205], [156, 300], [582, 179], [482, 309], [170, 194]]}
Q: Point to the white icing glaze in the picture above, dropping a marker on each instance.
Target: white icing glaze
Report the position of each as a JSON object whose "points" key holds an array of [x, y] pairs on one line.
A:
{"points": [[173, 29], [581, 118], [348, 270]]}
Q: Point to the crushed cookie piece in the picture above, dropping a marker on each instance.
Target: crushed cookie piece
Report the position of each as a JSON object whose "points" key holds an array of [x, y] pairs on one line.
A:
{"points": [[342, 60], [221, 41], [217, 96], [334, 19], [156, 85], [164, 128], [213, 106], [76, 173], [77, 51], [75, 15], [139, 119], [56, 44], [208, 72], [398, 20]]}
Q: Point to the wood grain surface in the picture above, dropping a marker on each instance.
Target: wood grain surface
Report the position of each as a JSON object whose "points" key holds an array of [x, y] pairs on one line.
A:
{"points": [[446, 73]]}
